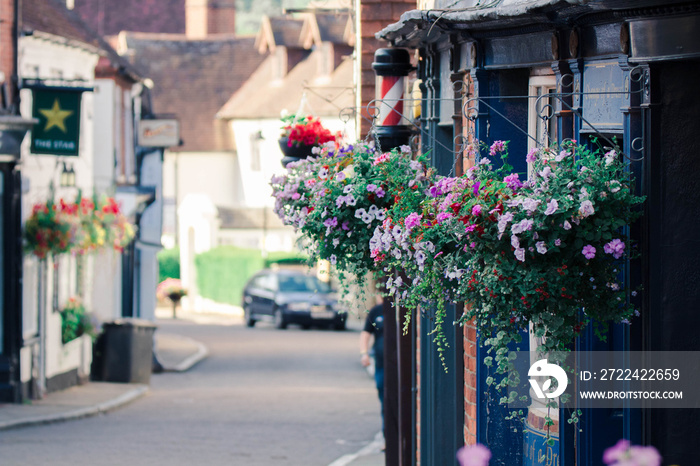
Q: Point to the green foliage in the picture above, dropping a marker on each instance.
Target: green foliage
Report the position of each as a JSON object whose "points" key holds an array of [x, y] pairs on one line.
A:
{"points": [[168, 264], [75, 321]]}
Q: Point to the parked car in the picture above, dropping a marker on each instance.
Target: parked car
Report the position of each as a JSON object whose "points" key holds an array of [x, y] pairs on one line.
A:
{"points": [[287, 296]]}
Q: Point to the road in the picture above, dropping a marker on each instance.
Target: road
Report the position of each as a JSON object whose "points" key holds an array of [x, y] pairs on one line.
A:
{"points": [[263, 397]]}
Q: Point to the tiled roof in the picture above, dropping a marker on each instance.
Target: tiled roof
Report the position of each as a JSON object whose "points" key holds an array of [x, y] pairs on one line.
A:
{"points": [[287, 31], [262, 97], [193, 79], [52, 17], [331, 29], [110, 17]]}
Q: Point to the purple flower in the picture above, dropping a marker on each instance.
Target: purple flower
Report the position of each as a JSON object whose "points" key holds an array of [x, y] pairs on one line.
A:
{"points": [[566, 225], [552, 207], [476, 210], [557, 242], [515, 241], [340, 176], [622, 454], [371, 188], [331, 222], [333, 259], [503, 221], [586, 209], [561, 156], [588, 251], [496, 147], [477, 185], [345, 226], [379, 192], [531, 156], [541, 247], [523, 225], [474, 455], [520, 254], [513, 182], [615, 247], [530, 204], [413, 220]]}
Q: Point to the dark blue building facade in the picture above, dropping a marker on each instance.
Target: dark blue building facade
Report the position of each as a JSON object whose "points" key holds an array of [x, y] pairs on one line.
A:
{"points": [[555, 70]]}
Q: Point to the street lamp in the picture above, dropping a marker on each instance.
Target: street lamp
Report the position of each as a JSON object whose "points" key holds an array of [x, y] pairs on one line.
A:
{"points": [[67, 176]]}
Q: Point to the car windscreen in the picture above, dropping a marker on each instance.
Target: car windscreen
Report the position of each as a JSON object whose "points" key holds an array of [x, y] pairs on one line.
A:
{"points": [[302, 284]]}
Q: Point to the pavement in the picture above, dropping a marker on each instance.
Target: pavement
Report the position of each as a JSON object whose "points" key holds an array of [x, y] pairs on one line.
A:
{"points": [[176, 354]]}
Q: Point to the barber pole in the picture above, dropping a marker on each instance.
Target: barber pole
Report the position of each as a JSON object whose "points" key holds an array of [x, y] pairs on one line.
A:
{"points": [[391, 67], [391, 94]]}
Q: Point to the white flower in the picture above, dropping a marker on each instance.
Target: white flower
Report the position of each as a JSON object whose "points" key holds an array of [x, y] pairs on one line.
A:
{"points": [[610, 157], [349, 171], [348, 189], [380, 215], [360, 212], [367, 217], [333, 259], [336, 242], [520, 254], [567, 225], [541, 247], [373, 209], [350, 200]]}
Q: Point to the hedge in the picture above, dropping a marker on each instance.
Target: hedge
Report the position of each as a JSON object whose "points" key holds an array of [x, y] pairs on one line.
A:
{"points": [[168, 264], [222, 272]]}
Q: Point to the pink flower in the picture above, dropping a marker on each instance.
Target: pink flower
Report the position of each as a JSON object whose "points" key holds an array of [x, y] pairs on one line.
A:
{"points": [[413, 220], [588, 251], [622, 454], [476, 210], [474, 455], [496, 147], [615, 247], [382, 158]]}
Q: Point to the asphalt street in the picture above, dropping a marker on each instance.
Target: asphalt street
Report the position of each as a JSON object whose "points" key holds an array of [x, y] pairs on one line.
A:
{"points": [[262, 397]]}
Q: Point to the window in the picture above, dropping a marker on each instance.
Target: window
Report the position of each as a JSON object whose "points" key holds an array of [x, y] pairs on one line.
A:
{"points": [[255, 140], [541, 120]]}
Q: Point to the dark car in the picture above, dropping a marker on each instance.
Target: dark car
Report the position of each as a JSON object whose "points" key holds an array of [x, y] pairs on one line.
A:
{"points": [[287, 296]]}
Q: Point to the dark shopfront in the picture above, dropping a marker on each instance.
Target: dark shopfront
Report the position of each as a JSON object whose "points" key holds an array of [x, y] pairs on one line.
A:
{"points": [[555, 70], [12, 131]]}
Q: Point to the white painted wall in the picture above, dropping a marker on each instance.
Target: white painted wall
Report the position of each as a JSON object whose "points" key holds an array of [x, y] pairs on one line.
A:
{"points": [[41, 57]]}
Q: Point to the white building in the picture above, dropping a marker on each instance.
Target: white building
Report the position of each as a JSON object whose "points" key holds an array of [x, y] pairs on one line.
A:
{"points": [[56, 52]]}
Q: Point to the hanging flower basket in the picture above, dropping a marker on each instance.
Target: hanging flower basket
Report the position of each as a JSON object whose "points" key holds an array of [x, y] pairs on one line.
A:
{"points": [[336, 200], [119, 231], [301, 134], [294, 152], [51, 229]]}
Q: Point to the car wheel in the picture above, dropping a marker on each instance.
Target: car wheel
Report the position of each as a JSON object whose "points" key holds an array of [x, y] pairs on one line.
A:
{"points": [[279, 319], [249, 321]]}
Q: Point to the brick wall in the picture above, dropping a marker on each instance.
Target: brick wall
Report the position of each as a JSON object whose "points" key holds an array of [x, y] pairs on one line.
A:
{"points": [[205, 17], [7, 53], [375, 15]]}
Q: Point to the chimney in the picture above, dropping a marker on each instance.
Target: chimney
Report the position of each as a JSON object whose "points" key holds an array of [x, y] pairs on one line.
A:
{"points": [[206, 17]]}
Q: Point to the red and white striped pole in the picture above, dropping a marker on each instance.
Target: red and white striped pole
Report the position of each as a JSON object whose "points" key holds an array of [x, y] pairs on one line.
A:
{"points": [[391, 67]]}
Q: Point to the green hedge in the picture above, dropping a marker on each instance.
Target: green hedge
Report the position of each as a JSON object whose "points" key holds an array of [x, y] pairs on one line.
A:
{"points": [[168, 264], [223, 272]]}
